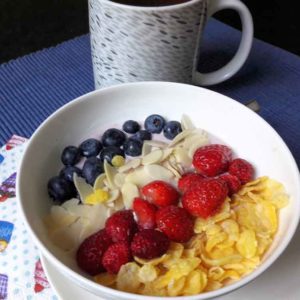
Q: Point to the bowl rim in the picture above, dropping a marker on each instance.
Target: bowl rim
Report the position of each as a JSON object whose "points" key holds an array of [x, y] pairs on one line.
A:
{"points": [[91, 285]]}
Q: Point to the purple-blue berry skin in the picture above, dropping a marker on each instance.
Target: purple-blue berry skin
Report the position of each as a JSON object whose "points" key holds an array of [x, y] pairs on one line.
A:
{"points": [[60, 189], [133, 147], [113, 137], [154, 123], [90, 147], [131, 126], [172, 129], [68, 172], [109, 152], [92, 168], [142, 135], [70, 156]]}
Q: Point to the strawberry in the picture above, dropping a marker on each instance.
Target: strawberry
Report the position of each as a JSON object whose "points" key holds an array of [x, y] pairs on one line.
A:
{"points": [[90, 252], [187, 180], [121, 226], [242, 169], [160, 193], [212, 160], [149, 243], [205, 198], [115, 256], [233, 183], [176, 223], [145, 212]]}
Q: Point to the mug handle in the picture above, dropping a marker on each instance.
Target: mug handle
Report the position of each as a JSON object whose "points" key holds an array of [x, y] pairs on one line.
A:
{"points": [[244, 48]]}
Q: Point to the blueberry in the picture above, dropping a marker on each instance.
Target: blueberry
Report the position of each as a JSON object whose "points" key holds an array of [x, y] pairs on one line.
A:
{"points": [[70, 156], [154, 123], [142, 135], [90, 147], [133, 147], [61, 189], [131, 126], [113, 137], [171, 129], [109, 152], [92, 168], [67, 172]]}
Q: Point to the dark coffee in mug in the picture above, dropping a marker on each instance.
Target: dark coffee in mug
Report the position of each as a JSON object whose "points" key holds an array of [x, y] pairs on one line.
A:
{"points": [[150, 2]]}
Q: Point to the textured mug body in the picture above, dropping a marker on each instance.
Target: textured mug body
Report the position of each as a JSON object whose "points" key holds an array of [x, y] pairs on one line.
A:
{"points": [[131, 43]]}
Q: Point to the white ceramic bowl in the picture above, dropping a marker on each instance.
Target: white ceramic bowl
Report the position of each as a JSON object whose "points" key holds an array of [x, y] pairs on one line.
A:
{"points": [[248, 134]]}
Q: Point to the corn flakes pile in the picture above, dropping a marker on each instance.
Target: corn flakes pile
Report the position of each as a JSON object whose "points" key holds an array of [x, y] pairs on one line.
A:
{"points": [[225, 247]]}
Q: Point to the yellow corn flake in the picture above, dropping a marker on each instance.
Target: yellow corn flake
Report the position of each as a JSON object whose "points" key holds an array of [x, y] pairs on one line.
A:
{"points": [[175, 287], [149, 289], [179, 268], [213, 285], [218, 253], [214, 240], [222, 260], [215, 273], [247, 243], [153, 262], [147, 273], [195, 283], [268, 215], [128, 279], [106, 279], [175, 250], [229, 275], [213, 229], [188, 253], [263, 244], [98, 196]]}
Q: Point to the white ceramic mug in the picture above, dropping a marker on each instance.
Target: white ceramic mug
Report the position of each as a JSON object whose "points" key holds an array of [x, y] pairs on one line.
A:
{"points": [[159, 43]]}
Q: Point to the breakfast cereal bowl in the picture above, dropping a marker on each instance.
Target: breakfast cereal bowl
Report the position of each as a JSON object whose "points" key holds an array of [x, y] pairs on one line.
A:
{"points": [[223, 118]]}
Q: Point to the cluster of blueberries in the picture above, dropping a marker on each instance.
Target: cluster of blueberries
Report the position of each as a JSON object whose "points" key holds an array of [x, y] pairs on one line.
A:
{"points": [[113, 142]]}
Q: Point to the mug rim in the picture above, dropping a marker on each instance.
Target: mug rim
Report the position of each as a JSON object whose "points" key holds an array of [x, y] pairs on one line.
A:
{"points": [[170, 7]]}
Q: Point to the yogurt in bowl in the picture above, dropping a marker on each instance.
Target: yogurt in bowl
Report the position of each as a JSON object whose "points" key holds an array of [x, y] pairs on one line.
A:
{"points": [[210, 111]]}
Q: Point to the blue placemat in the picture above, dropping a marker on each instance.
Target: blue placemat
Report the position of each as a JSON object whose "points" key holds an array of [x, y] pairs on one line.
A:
{"points": [[34, 86]]}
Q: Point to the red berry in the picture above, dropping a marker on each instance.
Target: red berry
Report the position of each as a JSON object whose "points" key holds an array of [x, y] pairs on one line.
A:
{"points": [[115, 256], [145, 212], [121, 226], [233, 183], [90, 252], [205, 198], [176, 223], [187, 180], [242, 169], [160, 193], [149, 243], [212, 160]]}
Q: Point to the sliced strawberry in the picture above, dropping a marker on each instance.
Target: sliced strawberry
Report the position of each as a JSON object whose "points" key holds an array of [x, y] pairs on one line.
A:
{"points": [[145, 212], [160, 193], [187, 180]]}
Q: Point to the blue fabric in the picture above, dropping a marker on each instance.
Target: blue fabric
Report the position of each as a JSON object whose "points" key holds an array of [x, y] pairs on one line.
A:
{"points": [[34, 86]]}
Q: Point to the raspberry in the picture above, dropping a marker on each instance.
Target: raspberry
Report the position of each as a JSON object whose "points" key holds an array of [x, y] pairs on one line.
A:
{"points": [[175, 223], [187, 180], [90, 252], [121, 226], [160, 193], [115, 256], [205, 198], [242, 169], [145, 213], [149, 243], [212, 160], [233, 183]]}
